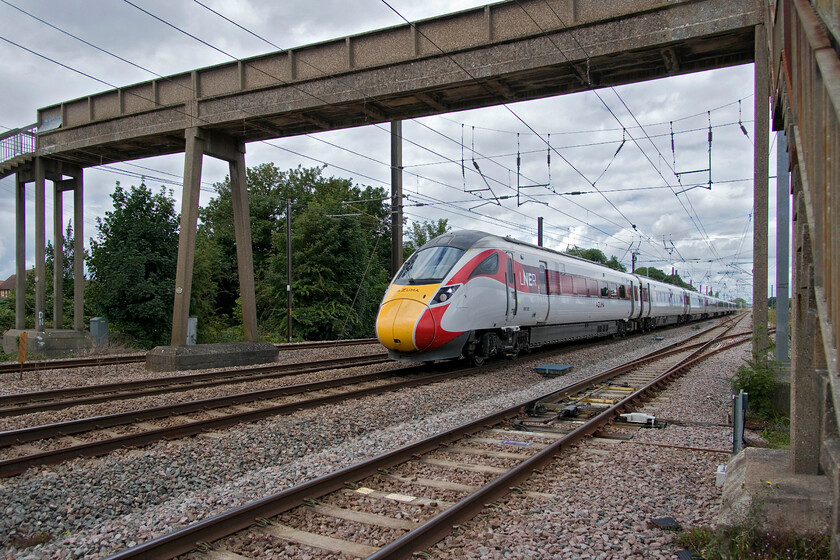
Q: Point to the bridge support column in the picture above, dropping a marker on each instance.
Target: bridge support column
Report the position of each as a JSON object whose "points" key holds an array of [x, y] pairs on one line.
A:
{"points": [[199, 142], [40, 243], [59, 188], [805, 399], [760, 196], [79, 254]]}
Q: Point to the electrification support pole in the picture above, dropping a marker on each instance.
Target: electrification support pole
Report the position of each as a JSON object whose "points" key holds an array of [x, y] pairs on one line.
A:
{"points": [[20, 251], [396, 197], [540, 231], [760, 179], [633, 265], [782, 248], [289, 269]]}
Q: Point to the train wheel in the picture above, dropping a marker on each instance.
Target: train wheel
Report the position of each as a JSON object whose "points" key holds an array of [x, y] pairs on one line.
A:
{"points": [[477, 360]]}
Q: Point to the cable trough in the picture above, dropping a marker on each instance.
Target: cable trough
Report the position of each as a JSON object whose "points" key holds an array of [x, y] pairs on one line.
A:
{"points": [[406, 498]]}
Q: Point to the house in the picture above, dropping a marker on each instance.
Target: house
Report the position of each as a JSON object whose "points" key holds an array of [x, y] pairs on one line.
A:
{"points": [[7, 286]]}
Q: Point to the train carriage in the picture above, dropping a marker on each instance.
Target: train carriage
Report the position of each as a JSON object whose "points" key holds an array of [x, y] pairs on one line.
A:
{"points": [[473, 294]]}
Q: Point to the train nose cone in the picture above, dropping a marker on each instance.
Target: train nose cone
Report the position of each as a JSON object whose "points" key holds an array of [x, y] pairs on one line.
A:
{"points": [[397, 325]]}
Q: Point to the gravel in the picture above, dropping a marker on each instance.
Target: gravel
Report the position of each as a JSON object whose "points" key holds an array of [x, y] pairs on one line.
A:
{"points": [[90, 508]]}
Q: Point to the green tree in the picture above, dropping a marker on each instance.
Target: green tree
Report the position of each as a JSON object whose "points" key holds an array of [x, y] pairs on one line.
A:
{"points": [[420, 233], [598, 256], [132, 265], [340, 256]]}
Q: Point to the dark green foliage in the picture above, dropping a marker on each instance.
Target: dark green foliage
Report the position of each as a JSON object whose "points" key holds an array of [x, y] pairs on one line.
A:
{"points": [[756, 377], [420, 233], [132, 265], [340, 257], [598, 256]]}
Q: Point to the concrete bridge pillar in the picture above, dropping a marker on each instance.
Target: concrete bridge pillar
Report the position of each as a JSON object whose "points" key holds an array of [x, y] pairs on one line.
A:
{"points": [[199, 142]]}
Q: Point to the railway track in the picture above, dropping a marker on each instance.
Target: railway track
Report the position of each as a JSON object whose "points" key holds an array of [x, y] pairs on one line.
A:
{"points": [[39, 365], [401, 502], [23, 448], [57, 399]]}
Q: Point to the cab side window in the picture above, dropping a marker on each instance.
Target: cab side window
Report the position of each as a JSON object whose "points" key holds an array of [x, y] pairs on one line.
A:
{"points": [[487, 267]]}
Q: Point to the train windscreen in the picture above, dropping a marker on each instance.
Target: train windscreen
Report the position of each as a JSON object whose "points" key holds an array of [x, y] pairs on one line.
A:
{"points": [[428, 266]]}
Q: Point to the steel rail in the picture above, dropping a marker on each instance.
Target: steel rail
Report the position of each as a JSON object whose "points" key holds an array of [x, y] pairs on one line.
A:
{"points": [[17, 465], [141, 388], [40, 365], [436, 528], [184, 540], [35, 433]]}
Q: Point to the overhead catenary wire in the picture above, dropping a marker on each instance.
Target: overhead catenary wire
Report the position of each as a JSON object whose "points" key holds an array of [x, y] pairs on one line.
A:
{"points": [[371, 158]]}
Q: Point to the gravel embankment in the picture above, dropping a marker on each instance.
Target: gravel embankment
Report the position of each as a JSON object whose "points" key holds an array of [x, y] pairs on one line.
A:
{"points": [[89, 508]]}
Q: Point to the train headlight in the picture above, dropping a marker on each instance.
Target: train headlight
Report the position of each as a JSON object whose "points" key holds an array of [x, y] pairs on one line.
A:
{"points": [[445, 294]]}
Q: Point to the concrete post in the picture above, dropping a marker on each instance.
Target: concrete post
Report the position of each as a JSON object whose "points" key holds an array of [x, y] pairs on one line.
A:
{"points": [[79, 254], [782, 248], [760, 179], [244, 254], [186, 238], [20, 251], [396, 197], [58, 256], [40, 243], [805, 402]]}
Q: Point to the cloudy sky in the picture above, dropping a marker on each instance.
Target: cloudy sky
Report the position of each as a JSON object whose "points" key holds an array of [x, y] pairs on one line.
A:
{"points": [[620, 139]]}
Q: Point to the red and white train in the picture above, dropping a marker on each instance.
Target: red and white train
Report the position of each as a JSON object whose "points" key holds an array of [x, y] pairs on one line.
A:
{"points": [[477, 295]]}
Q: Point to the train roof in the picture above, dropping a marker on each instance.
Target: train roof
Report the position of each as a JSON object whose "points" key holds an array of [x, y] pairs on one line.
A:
{"points": [[466, 238]]}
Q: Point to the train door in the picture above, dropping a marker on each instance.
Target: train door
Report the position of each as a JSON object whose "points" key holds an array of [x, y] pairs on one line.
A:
{"points": [[512, 299], [545, 289]]}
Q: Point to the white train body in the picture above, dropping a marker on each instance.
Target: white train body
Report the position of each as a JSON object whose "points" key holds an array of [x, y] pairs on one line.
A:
{"points": [[473, 294]]}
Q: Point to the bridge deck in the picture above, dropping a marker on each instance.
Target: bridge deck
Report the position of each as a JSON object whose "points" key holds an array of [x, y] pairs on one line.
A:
{"points": [[505, 52]]}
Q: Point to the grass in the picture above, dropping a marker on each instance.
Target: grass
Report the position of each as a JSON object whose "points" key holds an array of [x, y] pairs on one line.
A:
{"points": [[746, 543]]}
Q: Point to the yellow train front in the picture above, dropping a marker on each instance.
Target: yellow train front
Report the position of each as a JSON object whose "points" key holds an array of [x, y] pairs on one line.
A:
{"points": [[411, 317]]}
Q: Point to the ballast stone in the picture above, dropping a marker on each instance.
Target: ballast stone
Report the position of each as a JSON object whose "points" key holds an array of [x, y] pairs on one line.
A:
{"points": [[205, 356]]}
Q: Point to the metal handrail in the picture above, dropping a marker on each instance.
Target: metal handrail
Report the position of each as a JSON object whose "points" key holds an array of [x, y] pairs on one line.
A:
{"points": [[17, 142]]}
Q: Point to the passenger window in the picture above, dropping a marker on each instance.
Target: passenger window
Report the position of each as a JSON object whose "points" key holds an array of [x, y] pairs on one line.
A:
{"points": [[580, 286], [613, 292], [593, 287], [622, 292], [566, 284], [487, 267], [605, 292]]}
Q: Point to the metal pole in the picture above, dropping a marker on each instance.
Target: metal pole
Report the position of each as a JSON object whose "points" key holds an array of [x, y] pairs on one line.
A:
{"points": [[289, 269], [396, 197], [20, 251], [782, 248], [540, 231]]}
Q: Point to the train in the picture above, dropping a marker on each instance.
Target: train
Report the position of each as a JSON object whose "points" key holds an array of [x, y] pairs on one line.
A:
{"points": [[474, 295]]}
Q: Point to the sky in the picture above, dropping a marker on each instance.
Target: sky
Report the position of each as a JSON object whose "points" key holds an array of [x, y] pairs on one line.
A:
{"points": [[634, 142]]}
